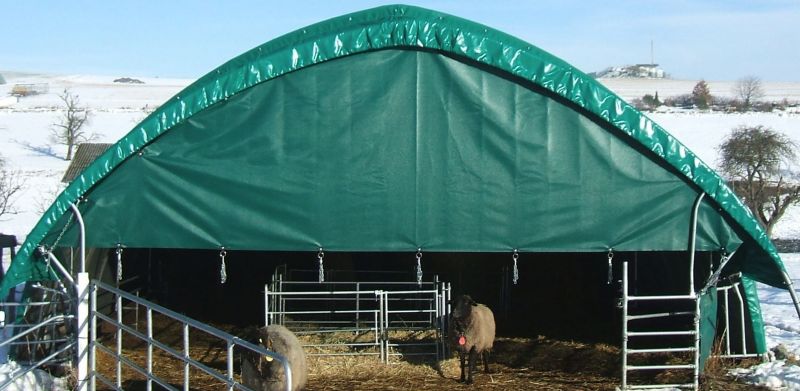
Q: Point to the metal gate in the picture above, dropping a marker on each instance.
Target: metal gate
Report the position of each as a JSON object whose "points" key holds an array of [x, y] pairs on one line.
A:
{"points": [[381, 316]]}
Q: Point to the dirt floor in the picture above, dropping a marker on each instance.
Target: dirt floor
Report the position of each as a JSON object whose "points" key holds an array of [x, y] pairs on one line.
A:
{"points": [[516, 364]]}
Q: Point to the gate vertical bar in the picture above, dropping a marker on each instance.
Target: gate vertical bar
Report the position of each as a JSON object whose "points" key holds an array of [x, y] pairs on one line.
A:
{"points": [[435, 323], [386, 323], [93, 336], [186, 356], [119, 340], [727, 323], [741, 319], [625, 325], [281, 301], [149, 349], [230, 366], [266, 305], [696, 377], [358, 307]]}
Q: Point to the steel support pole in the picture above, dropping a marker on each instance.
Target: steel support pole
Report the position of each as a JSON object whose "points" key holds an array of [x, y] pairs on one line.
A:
{"points": [[82, 236], [693, 239], [792, 293], [82, 287]]}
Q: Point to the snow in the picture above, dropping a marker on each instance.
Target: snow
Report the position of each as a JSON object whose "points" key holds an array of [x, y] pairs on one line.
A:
{"points": [[26, 123], [36, 380], [782, 327]]}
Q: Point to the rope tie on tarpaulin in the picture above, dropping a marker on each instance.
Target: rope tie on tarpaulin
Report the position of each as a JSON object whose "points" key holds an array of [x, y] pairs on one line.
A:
{"points": [[515, 275], [419, 266], [223, 273], [320, 257], [610, 276], [119, 261]]}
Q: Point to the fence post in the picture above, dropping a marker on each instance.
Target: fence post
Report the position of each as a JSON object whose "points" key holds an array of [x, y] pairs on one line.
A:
{"points": [[93, 337], [358, 307], [83, 330]]}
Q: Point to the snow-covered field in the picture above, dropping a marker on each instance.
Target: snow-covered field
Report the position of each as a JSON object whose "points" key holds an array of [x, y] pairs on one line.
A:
{"points": [[26, 123], [629, 89]]}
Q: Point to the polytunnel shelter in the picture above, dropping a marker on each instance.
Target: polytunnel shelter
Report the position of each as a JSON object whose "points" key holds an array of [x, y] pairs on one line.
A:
{"points": [[399, 129]]}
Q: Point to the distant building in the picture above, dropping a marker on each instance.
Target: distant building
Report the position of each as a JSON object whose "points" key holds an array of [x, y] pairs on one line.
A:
{"points": [[641, 71], [84, 156], [30, 89]]}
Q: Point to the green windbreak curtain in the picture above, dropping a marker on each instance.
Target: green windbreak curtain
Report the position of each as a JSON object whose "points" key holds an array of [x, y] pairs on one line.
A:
{"points": [[394, 129], [360, 154]]}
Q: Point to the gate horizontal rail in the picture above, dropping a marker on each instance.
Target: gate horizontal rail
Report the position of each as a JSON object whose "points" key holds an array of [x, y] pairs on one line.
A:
{"points": [[184, 357]]}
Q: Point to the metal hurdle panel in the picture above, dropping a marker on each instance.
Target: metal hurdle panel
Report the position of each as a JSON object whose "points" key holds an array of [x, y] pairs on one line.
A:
{"points": [[376, 314]]}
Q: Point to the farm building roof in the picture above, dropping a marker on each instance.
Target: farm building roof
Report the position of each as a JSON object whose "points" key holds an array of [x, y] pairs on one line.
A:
{"points": [[85, 154]]}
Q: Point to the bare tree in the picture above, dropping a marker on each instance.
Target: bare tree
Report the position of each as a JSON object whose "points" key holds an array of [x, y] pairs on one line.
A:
{"points": [[748, 89], [757, 162], [701, 95], [69, 130], [11, 183]]}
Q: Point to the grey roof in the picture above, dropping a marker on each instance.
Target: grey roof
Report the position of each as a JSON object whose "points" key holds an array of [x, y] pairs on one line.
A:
{"points": [[85, 154]]}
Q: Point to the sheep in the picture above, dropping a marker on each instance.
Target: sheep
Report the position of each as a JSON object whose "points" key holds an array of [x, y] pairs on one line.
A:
{"points": [[471, 331], [263, 373]]}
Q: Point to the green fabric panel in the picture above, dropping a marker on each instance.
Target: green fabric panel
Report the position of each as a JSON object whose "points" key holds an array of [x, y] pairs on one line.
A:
{"points": [[465, 160], [401, 27], [754, 309], [708, 324]]}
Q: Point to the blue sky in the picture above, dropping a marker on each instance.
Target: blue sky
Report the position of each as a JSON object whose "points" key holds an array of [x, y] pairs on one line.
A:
{"points": [[714, 40]]}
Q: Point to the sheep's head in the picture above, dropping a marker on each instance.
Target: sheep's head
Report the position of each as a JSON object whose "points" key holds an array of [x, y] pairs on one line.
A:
{"points": [[462, 307]]}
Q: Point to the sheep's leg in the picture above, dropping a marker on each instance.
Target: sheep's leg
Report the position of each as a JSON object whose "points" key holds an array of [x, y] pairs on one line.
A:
{"points": [[462, 356], [473, 355], [485, 356]]}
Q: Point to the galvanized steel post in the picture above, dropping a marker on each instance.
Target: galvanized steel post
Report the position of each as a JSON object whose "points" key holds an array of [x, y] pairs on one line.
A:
{"points": [[83, 331], [693, 240], [82, 287], [792, 293]]}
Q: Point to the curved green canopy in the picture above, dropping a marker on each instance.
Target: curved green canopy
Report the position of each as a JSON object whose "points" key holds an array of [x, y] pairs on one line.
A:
{"points": [[393, 129]]}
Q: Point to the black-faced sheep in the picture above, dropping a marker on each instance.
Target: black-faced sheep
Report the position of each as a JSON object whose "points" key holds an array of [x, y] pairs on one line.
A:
{"points": [[262, 373], [471, 332]]}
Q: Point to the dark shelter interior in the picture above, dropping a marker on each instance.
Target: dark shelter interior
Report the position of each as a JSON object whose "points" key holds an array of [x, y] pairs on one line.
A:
{"points": [[558, 295]]}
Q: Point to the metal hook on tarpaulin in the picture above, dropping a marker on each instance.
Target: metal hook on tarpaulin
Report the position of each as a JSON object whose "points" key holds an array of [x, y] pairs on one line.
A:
{"points": [[119, 261], [223, 273], [515, 275], [320, 256], [610, 266], [419, 266]]}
